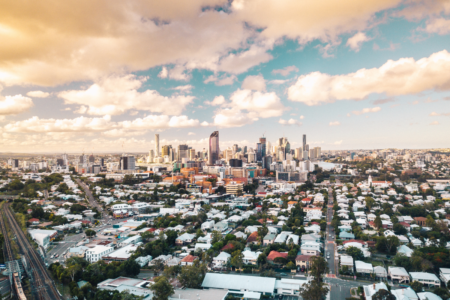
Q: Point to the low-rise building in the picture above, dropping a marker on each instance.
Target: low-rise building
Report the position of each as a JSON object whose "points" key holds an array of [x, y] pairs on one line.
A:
{"points": [[97, 253], [426, 279]]}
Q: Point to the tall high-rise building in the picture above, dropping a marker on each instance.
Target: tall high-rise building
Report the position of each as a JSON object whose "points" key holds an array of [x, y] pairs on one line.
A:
{"points": [[165, 150], [65, 158], [183, 152], [151, 155], [304, 142], [214, 150], [268, 148], [235, 149], [191, 154], [262, 140], [318, 151], [127, 163], [245, 149], [266, 162], [91, 158], [259, 152], [156, 145]]}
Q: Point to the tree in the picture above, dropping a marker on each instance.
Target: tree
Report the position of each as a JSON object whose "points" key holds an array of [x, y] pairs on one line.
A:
{"points": [[400, 229], [290, 265], [392, 242], [378, 223], [262, 259], [402, 260], [262, 231], [162, 289], [355, 253], [383, 294], [370, 202], [318, 267], [192, 276], [237, 259], [417, 286], [90, 232], [216, 237], [314, 290]]}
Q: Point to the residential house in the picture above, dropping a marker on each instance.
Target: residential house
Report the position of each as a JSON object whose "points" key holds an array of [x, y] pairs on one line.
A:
{"points": [[311, 248], [185, 239], [398, 275], [426, 279], [221, 260], [363, 267], [250, 257], [221, 226], [303, 261], [188, 260], [269, 239]]}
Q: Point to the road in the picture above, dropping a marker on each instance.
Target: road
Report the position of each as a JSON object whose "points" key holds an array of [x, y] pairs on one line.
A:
{"points": [[330, 246], [340, 289], [91, 199]]}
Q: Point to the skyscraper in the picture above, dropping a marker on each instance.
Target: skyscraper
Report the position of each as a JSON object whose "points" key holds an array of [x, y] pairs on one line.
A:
{"points": [[183, 152], [262, 140], [214, 150], [304, 142], [165, 150], [156, 145]]}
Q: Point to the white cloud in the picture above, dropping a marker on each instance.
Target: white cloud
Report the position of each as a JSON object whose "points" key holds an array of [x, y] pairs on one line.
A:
{"points": [[116, 95], [184, 88], [13, 105], [356, 41], [259, 104], [302, 117], [217, 101], [221, 80], [335, 123], [289, 122], [338, 142], [191, 133], [255, 82], [101, 124], [179, 72], [434, 123], [231, 117], [245, 107], [285, 71], [164, 73], [278, 81], [366, 110], [401, 77], [38, 94], [440, 26], [80, 124]]}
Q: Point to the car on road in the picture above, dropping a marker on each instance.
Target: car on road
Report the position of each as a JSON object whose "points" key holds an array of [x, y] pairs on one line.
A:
{"points": [[57, 255], [328, 255]]}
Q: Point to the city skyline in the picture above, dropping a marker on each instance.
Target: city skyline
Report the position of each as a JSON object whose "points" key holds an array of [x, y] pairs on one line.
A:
{"points": [[368, 75]]}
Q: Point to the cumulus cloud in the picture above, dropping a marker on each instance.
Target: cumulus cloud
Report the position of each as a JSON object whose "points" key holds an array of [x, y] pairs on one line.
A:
{"points": [[99, 124], [116, 95], [245, 107], [289, 122], [191, 133], [217, 101], [184, 88], [259, 104], [221, 80], [13, 105], [383, 101], [232, 117], [434, 123], [440, 26], [335, 123], [356, 41], [38, 94], [366, 110], [255, 82], [401, 77], [285, 71], [164, 73], [278, 81], [98, 39], [302, 117], [338, 142]]}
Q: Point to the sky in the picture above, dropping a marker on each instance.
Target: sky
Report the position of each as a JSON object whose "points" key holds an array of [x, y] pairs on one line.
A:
{"points": [[105, 76]]}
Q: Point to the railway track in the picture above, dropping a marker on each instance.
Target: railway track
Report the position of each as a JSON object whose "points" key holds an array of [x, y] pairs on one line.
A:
{"points": [[9, 257], [45, 287]]}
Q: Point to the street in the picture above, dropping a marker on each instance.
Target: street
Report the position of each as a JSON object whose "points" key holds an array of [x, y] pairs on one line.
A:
{"points": [[340, 289], [330, 246]]}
